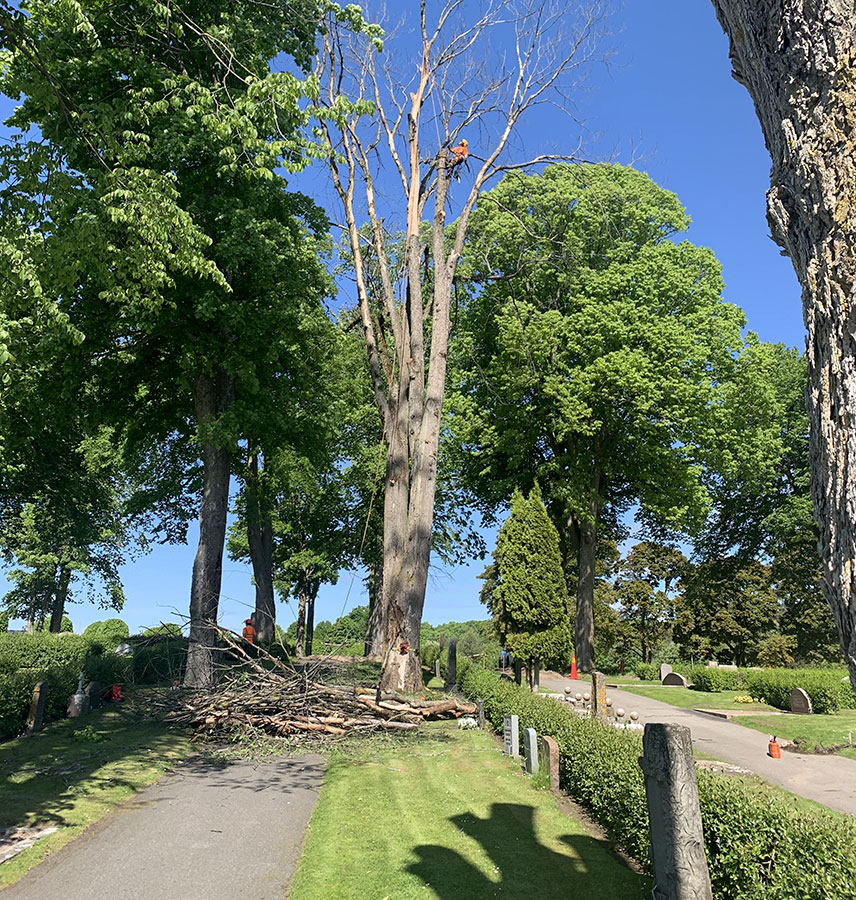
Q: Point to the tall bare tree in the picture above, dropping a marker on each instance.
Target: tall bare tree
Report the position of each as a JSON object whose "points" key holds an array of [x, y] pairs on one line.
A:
{"points": [[795, 57], [463, 79]]}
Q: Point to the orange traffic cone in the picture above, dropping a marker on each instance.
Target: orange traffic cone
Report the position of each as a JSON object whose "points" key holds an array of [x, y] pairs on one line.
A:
{"points": [[775, 749]]}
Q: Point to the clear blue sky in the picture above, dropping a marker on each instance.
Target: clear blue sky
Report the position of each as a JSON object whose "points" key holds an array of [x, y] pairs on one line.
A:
{"points": [[667, 102]]}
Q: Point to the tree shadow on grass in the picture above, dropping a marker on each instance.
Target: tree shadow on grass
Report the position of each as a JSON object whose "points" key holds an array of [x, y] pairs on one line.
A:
{"points": [[523, 866]]}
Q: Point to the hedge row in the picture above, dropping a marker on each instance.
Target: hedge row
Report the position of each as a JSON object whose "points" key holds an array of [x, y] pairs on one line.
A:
{"points": [[56, 659], [713, 679], [829, 689], [758, 845]]}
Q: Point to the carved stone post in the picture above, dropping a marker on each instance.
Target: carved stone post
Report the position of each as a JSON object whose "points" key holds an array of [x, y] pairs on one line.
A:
{"points": [[677, 843]]}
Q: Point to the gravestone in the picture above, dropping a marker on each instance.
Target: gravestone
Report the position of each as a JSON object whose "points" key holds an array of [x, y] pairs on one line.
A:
{"points": [[124, 649], [436, 668], [480, 708], [36, 717], [665, 668], [451, 682], [550, 760], [598, 698], [511, 736], [95, 693], [674, 818], [78, 703], [675, 679], [530, 750], [801, 702]]}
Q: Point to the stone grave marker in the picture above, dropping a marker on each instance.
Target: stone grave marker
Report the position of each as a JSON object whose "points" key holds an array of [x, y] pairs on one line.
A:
{"points": [[801, 702], [675, 679], [480, 708], [550, 760], [451, 682], [530, 750], [78, 703], [436, 668], [95, 692], [598, 698], [665, 668], [36, 717], [511, 736]]}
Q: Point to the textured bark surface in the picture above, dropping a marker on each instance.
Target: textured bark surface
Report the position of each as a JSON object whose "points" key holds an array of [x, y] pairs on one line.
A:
{"points": [[674, 818], [61, 595], [211, 397], [260, 541], [796, 59], [584, 637]]}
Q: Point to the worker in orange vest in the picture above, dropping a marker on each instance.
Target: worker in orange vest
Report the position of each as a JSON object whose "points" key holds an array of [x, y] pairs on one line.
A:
{"points": [[249, 632], [459, 156]]}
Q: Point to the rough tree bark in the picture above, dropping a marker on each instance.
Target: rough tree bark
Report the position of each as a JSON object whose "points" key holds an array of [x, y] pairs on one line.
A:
{"points": [[374, 629], [404, 297], [211, 397], [796, 58], [60, 596], [260, 540]]}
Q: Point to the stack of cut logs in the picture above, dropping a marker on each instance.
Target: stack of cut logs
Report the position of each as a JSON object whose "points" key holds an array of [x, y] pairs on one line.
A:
{"points": [[275, 698]]}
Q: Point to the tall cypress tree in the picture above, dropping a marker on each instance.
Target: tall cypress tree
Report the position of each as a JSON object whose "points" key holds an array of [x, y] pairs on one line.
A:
{"points": [[528, 599]]}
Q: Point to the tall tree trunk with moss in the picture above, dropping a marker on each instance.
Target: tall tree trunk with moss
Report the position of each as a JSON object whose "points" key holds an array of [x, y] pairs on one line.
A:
{"points": [[797, 59], [213, 395]]}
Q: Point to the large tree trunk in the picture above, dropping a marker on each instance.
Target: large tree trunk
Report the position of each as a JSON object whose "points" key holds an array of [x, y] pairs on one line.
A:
{"points": [[375, 645], [60, 596], [260, 541], [796, 59], [300, 634], [310, 618], [210, 399]]}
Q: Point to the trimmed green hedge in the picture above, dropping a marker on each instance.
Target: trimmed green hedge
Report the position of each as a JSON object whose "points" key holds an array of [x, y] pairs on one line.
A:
{"points": [[712, 680], [759, 846], [158, 658], [829, 689], [647, 671], [57, 659]]}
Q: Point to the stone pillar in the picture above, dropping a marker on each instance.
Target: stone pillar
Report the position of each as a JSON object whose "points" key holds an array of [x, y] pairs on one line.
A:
{"points": [[598, 696], [677, 842], [550, 760], [511, 736], [36, 717], [451, 682], [437, 668], [530, 750]]}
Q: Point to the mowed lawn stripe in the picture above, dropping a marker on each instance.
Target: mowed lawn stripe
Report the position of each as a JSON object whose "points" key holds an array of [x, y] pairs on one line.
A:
{"points": [[445, 815]]}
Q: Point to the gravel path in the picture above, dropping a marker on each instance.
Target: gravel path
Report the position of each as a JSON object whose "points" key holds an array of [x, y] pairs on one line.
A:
{"points": [[830, 780], [218, 832]]}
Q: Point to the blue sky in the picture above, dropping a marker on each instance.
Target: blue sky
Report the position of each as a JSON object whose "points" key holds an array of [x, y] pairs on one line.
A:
{"points": [[666, 101]]}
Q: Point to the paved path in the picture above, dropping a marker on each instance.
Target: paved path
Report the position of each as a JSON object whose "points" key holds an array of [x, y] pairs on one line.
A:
{"points": [[830, 780], [207, 831]]}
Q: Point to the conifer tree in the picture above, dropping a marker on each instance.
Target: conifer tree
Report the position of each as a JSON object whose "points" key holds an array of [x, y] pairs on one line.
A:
{"points": [[528, 597]]}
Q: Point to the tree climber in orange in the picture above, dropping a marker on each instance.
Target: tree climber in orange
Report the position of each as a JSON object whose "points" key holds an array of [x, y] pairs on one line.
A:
{"points": [[459, 156]]}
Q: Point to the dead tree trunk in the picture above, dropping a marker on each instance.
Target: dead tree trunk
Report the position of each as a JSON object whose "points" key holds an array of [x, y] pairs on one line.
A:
{"points": [[260, 541], [300, 634], [212, 396], [795, 57], [310, 619]]}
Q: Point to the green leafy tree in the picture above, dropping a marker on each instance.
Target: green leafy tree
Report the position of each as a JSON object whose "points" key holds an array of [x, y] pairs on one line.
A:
{"points": [[108, 632], [165, 126], [527, 596], [645, 590], [588, 354]]}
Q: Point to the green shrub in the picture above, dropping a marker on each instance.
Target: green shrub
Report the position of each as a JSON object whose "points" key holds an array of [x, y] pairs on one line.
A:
{"points": [[705, 679], [759, 847], [108, 632], [826, 687], [166, 629], [56, 659], [646, 671], [429, 653]]}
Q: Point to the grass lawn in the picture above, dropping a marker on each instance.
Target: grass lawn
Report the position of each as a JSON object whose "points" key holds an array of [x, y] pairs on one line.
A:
{"points": [[56, 779], [810, 731], [445, 815], [687, 698]]}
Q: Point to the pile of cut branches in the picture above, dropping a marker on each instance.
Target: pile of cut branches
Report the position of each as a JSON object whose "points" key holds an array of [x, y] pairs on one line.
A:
{"points": [[271, 696]]}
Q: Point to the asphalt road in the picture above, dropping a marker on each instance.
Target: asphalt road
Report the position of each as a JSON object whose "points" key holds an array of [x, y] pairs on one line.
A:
{"points": [[203, 832], [830, 780]]}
